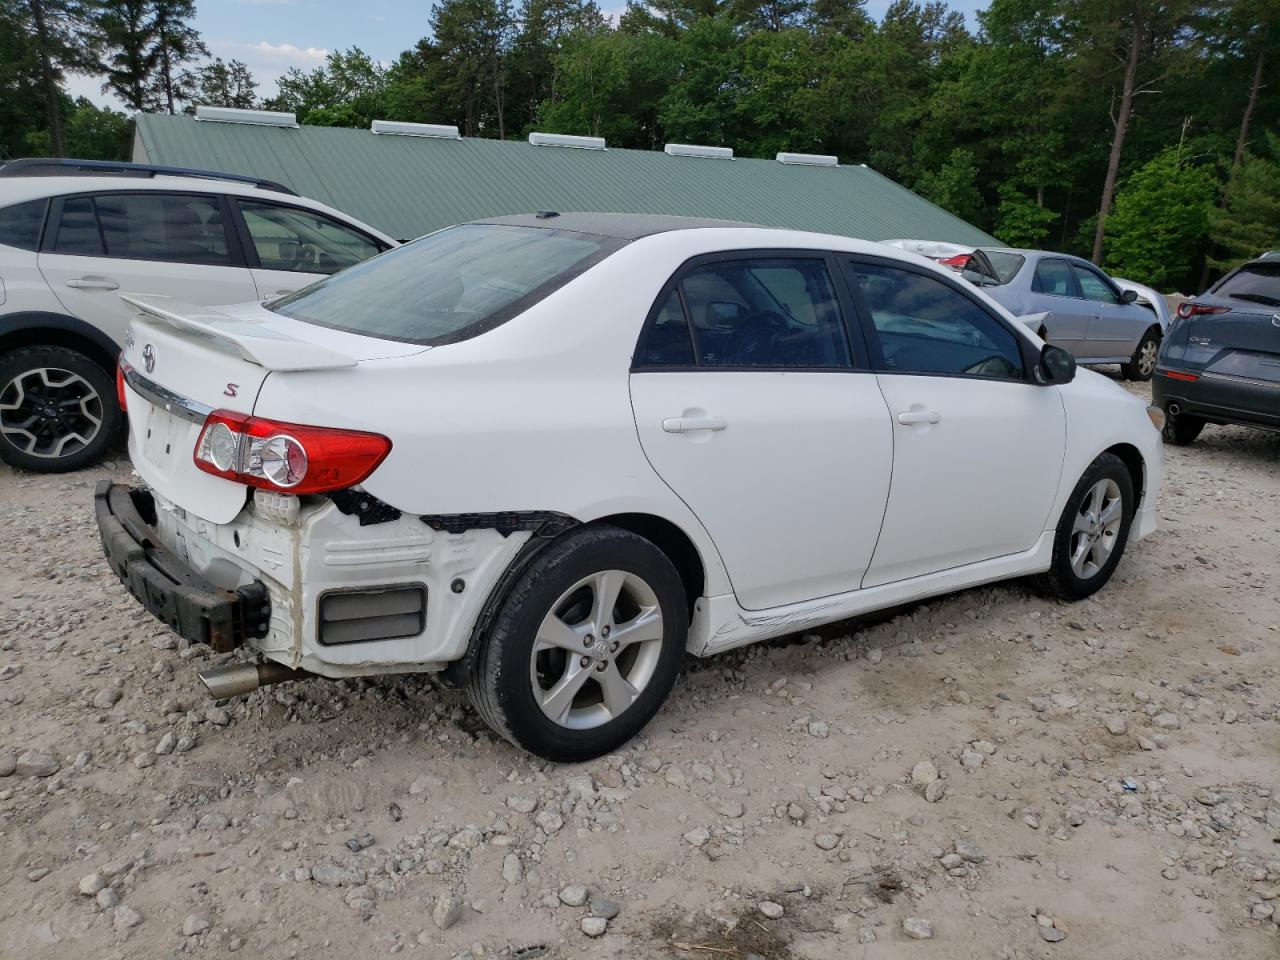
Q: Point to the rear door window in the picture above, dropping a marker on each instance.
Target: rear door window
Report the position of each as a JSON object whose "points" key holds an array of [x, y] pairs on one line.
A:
{"points": [[20, 224], [1053, 276], [172, 228], [767, 312], [448, 286], [178, 228], [77, 233], [302, 241]]}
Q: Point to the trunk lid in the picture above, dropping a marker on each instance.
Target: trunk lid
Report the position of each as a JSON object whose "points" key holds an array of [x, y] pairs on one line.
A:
{"points": [[188, 360], [1236, 344]]}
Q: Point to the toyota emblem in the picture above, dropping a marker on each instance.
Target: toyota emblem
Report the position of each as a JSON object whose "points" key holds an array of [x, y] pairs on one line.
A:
{"points": [[149, 357]]}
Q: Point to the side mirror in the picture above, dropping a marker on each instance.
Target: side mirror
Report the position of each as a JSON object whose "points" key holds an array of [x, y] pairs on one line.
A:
{"points": [[1056, 366], [1129, 296]]}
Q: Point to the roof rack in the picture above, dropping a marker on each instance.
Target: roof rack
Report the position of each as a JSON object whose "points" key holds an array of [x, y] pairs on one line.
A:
{"points": [[58, 167]]}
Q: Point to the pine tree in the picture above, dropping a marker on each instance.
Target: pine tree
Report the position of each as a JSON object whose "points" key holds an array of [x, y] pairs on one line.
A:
{"points": [[59, 37], [128, 33], [176, 43], [217, 84], [1249, 224]]}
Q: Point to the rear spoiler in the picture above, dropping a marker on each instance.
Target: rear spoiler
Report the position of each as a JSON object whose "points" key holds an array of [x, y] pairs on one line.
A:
{"points": [[255, 342]]}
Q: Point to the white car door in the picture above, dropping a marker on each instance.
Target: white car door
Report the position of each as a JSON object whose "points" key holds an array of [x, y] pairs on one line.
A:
{"points": [[290, 247], [173, 244], [978, 446], [752, 407]]}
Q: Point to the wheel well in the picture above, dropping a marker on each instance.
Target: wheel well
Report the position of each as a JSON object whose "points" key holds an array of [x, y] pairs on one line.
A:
{"points": [[1133, 460], [53, 337], [672, 541]]}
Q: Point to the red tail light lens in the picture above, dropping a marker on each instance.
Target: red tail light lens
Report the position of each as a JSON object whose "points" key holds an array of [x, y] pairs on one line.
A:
{"points": [[1189, 309], [288, 457], [121, 398], [1177, 375], [958, 262]]}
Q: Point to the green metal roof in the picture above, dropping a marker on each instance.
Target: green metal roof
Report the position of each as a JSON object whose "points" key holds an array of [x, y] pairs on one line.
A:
{"points": [[408, 186]]}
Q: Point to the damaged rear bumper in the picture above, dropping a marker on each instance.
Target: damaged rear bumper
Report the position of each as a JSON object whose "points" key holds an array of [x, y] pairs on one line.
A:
{"points": [[171, 590]]}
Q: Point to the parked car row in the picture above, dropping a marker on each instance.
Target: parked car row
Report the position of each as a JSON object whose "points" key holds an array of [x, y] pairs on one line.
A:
{"points": [[75, 234]]}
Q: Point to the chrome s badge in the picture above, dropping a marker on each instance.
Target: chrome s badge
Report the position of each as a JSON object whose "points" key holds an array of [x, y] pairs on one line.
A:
{"points": [[149, 357]]}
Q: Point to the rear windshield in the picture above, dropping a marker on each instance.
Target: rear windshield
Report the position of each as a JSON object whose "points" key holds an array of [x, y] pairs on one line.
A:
{"points": [[1254, 283], [448, 286], [1005, 265]]}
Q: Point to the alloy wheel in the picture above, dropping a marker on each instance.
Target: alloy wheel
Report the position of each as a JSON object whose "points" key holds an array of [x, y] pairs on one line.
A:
{"points": [[1147, 358], [1096, 529], [596, 650], [49, 413]]}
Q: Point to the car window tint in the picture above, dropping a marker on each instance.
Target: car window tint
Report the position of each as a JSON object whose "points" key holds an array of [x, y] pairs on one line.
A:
{"points": [[1093, 286], [450, 285], [926, 326], [1006, 265], [1253, 283], [1054, 277], [300, 241], [766, 313], [667, 341], [77, 233], [20, 224], [160, 226]]}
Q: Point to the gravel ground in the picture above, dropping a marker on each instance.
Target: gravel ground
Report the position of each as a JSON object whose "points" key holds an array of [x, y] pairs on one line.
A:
{"points": [[987, 775]]}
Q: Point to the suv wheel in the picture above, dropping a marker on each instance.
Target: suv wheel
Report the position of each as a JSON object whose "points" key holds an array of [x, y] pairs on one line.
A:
{"points": [[585, 648], [1091, 535], [1143, 362], [1181, 429], [58, 410]]}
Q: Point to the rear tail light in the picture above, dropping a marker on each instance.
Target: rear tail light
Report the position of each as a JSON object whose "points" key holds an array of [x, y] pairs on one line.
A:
{"points": [[1179, 375], [289, 457], [958, 262], [1190, 309], [120, 393]]}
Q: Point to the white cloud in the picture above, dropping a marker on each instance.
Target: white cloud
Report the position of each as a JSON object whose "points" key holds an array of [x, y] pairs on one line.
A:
{"points": [[286, 52]]}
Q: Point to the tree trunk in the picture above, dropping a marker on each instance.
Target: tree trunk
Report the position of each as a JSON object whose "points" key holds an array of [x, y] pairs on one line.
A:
{"points": [[166, 73], [52, 98], [1121, 125], [1243, 140]]}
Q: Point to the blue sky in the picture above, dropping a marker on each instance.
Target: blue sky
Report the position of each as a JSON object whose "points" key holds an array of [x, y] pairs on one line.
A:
{"points": [[273, 35]]}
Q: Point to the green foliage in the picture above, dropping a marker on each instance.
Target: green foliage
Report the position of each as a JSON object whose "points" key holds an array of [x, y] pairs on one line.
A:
{"points": [[1020, 221], [954, 186], [1156, 232], [1249, 222], [348, 91], [98, 133], [218, 84]]}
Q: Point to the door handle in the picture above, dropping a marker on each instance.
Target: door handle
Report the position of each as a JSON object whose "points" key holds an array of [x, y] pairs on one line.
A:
{"points": [[93, 283], [909, 417], [686, 424]]}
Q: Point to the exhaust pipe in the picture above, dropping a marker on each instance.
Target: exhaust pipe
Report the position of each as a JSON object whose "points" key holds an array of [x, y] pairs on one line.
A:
{"points": [[1174, 409], [237, 678]]}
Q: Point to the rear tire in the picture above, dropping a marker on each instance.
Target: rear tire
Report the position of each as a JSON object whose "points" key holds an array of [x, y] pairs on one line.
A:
{"points": [[568, 673], [1143, 363], [58, 410], [1092, 532], [1182, 429]]}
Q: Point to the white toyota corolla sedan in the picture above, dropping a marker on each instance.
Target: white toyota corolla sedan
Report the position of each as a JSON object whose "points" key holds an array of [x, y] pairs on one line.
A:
{"points": [[548, 455]]}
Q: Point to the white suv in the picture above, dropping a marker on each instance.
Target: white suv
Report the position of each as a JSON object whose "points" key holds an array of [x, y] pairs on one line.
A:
{"points": [[547, 455], [74, 233]]}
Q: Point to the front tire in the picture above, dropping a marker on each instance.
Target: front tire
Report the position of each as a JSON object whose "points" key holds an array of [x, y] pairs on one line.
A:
{"points": [[58, 410], [585, 647], [1092, 532], [1143, 362]]}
